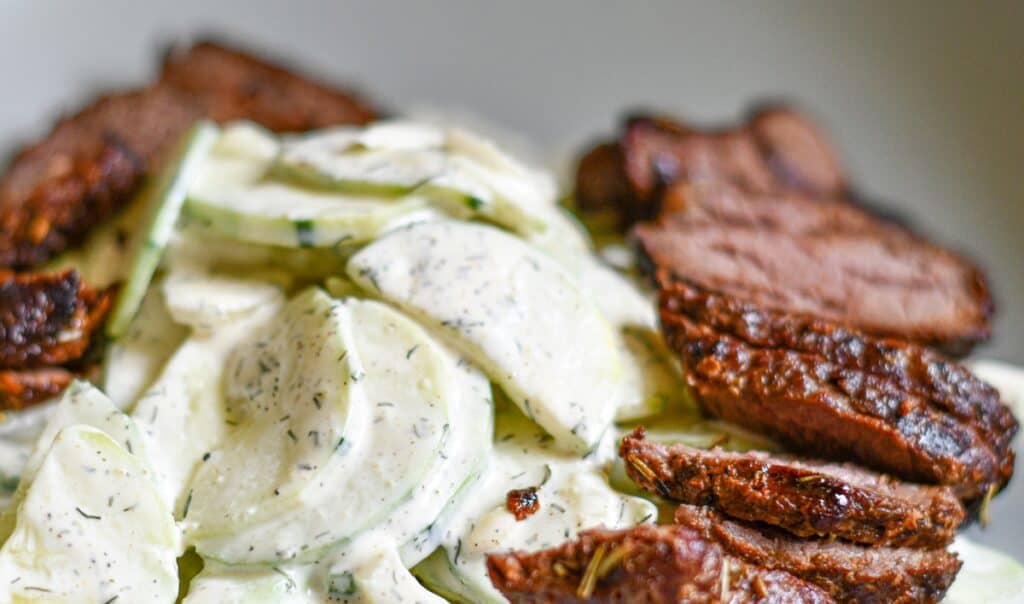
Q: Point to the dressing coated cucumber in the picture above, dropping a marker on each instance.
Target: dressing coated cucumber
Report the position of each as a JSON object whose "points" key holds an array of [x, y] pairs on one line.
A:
{"points": [[164, 196]]}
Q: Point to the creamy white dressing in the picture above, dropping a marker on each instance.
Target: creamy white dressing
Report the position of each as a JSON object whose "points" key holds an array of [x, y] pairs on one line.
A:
{"points": [[205, 300], [81, 404], [510, 308], [573, 494], [91, 527], [134, 361], [183, 412], [401, 383]]}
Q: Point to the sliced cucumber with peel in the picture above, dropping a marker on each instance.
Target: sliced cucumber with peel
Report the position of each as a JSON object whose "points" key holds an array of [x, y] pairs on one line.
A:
{"points": [[232, 195], [402, 398], [512, 310], [91, 527], [164, 196]]}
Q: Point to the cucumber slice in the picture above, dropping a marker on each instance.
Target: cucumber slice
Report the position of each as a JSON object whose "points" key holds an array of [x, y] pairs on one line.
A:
{"points": [[289, 409], [291, 268], [574, 495], [467, 189], [379, 173], [231, 195], [81, 404], [247, 141], [204, 300], [511, 309], [419, 522], [619, 300], [388, 159], [163, 196], [403, 398], [466, 175], [92, 527], [652, 380], [183, 412], [222, 584], [437, 574], [134, 362], [987, 576]]}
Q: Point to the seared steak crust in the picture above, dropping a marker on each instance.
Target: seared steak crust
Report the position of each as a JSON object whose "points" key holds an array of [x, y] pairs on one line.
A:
{"points": [[47, 319], [20, 388], [820, 258], [645, 564], [849, 573], [806, 498], [918, 370], [840, 405], [777, 149], [231, 85], [93, 162]]}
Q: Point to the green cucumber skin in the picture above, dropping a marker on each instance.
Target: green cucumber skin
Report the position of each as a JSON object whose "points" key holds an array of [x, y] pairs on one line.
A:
{"points": [[311, 179], [168, 193]]}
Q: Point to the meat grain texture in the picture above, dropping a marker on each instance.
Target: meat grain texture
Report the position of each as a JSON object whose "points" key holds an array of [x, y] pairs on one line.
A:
{"points": [[642, 565], [821, 388], [849, 573], [806, 498]]}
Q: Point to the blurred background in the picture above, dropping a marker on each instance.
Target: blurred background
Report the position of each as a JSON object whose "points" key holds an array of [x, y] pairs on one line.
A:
{"points": [[924, 99]]}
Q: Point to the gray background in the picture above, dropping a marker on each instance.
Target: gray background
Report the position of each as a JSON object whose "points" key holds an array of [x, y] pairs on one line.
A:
{"points": [[925, 99]]}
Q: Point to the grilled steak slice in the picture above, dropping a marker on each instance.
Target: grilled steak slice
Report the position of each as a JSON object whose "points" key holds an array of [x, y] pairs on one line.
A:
{"points": [[806, 498], [86, 168], [825, 259], [849, 573], [47, 319], [645, 564], [917, 370], [20, 388], [776, 150], [93, 162], [834, 398], [232, 85]]}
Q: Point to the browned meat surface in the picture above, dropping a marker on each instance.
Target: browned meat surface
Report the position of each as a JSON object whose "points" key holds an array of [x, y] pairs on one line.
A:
{"points": [[776, 150], [819, 258], [87, 167], [47, 319], [642, 565], [918, 370], [232, 85], [849, 573], [20, 388], [93, 162], [806, 498], [839, 405]]}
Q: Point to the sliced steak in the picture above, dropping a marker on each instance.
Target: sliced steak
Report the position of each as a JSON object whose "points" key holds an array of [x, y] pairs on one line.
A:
{"points": [[89, 166], [849, 573], [825, 259], [93, 162], [20, 388], [48, 319], [806, 498], [231, 85], [925, 421], [776, 150], [915, 369], [645, 564]]}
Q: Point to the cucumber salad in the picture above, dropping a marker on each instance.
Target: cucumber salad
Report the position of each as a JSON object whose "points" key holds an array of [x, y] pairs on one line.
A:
{"points": [[331, 357]]}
